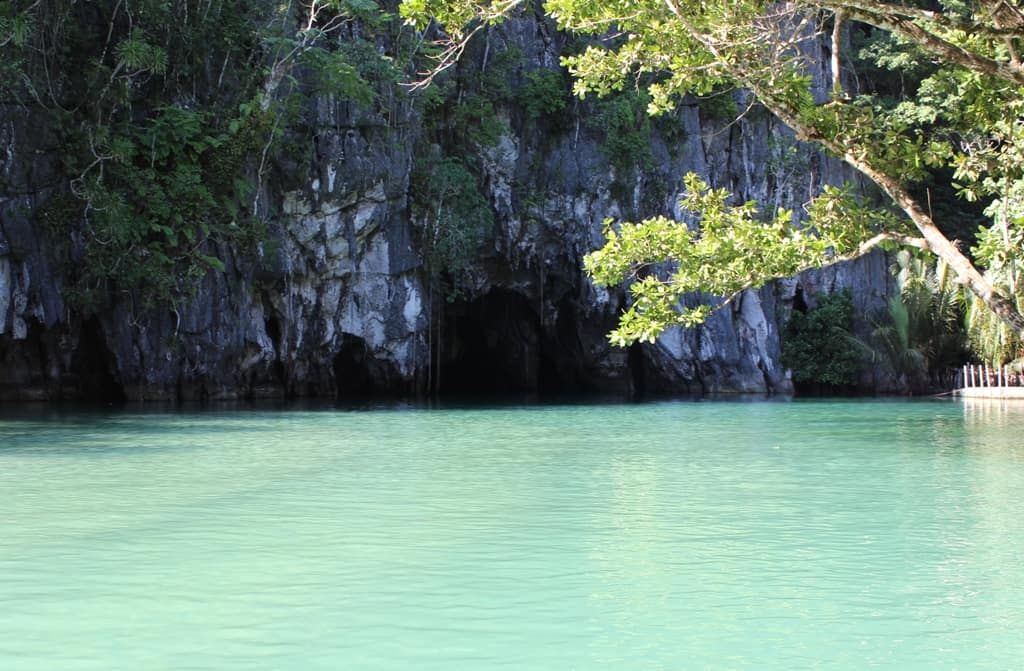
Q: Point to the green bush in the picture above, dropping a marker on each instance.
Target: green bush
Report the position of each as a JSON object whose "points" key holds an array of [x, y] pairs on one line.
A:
{"points": [[478, 121], [817, 346], [626, 126], [920, 337], [543, 94], [451, 215]]}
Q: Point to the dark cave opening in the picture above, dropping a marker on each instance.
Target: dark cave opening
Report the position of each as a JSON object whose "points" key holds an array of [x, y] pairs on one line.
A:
{"points": [[94, 366], [564, 368], [637, 368], [799, 304], [497, 344], [351, 377], [273, 329]]}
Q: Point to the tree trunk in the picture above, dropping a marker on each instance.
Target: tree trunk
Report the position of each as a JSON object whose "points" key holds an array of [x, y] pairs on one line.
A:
{"points": [[944, 249], [938, 243]]}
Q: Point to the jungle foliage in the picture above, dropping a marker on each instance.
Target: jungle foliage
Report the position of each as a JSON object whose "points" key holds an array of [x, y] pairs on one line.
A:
{"points": [[452, 218], [816, 344], [167, 117], [920, 337]]}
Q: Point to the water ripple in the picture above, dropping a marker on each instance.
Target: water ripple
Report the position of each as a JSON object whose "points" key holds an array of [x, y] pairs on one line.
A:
{"points": [[660, 536]]}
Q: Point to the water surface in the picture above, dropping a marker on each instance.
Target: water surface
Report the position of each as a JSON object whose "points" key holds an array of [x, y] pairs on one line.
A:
{"points": [[669, 535]]}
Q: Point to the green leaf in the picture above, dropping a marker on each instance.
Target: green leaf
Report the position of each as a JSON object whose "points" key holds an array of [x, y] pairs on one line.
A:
{"points": [[213, 262]]}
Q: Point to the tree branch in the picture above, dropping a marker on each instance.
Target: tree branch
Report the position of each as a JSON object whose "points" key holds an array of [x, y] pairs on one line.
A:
{"points": [[935, 44], [458, 38], [938, 19], [837, 38]]}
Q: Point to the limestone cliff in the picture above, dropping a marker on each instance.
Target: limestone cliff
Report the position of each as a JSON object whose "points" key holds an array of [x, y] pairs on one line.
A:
{"points": [[341, 302]]}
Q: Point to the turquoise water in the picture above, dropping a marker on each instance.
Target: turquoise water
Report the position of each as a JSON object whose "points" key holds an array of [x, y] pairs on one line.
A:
{"points": [[670, 535]]}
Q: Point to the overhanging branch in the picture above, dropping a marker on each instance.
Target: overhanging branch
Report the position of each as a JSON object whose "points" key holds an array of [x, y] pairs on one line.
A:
{"points": [[913, 30], [1010, 29]]}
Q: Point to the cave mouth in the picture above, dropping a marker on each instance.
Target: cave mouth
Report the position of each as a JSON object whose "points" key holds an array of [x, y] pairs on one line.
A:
{"points": [[637, 369], [94, 366], [497, 344], [273, 329], [351, 367], [491, 344]]}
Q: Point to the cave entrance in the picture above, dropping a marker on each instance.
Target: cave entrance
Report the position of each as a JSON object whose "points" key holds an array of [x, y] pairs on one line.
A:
{"points": [[351, 368], [496, 344], [359, 371], [94, 366]]}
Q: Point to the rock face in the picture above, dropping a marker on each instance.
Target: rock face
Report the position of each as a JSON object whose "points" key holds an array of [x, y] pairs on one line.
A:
{"points": [[340, 303]]}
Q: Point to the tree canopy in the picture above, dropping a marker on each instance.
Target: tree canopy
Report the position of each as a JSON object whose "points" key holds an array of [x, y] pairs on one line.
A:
{"points": [[958, 108]]}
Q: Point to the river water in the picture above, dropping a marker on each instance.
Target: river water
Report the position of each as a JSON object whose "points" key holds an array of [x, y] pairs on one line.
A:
{"points": [[663, 535]]}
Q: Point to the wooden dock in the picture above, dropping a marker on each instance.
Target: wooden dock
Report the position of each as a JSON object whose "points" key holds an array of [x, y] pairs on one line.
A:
{"points": [[985, 382], [990, 392]]}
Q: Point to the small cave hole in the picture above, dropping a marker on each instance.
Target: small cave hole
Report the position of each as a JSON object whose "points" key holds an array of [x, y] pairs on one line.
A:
{"points": [[273, 329], [637, 368], [799, 303], [94, 365], [352, 375]]}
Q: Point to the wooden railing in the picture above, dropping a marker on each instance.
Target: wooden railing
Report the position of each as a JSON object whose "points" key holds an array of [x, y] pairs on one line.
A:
{"points": [[984, 376]]}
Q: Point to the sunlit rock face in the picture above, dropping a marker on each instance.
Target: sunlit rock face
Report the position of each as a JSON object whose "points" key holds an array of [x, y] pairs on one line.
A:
{"points": [[340, 302]]}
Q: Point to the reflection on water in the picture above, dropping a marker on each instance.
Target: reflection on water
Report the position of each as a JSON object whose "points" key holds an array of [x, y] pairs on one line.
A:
{"points": [[992, 413], [618, 536]]}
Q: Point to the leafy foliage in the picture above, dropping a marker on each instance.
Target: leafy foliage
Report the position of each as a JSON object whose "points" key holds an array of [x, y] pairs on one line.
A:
{"points": [[728, 249], [719, 105], [543, 94], [1002, 249], [479, 120], [169, 114], [817, 345], [463, 112], [136, 53], [16, 25], [921, 337], [451, 216], [625, 128], [167, 194]]}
